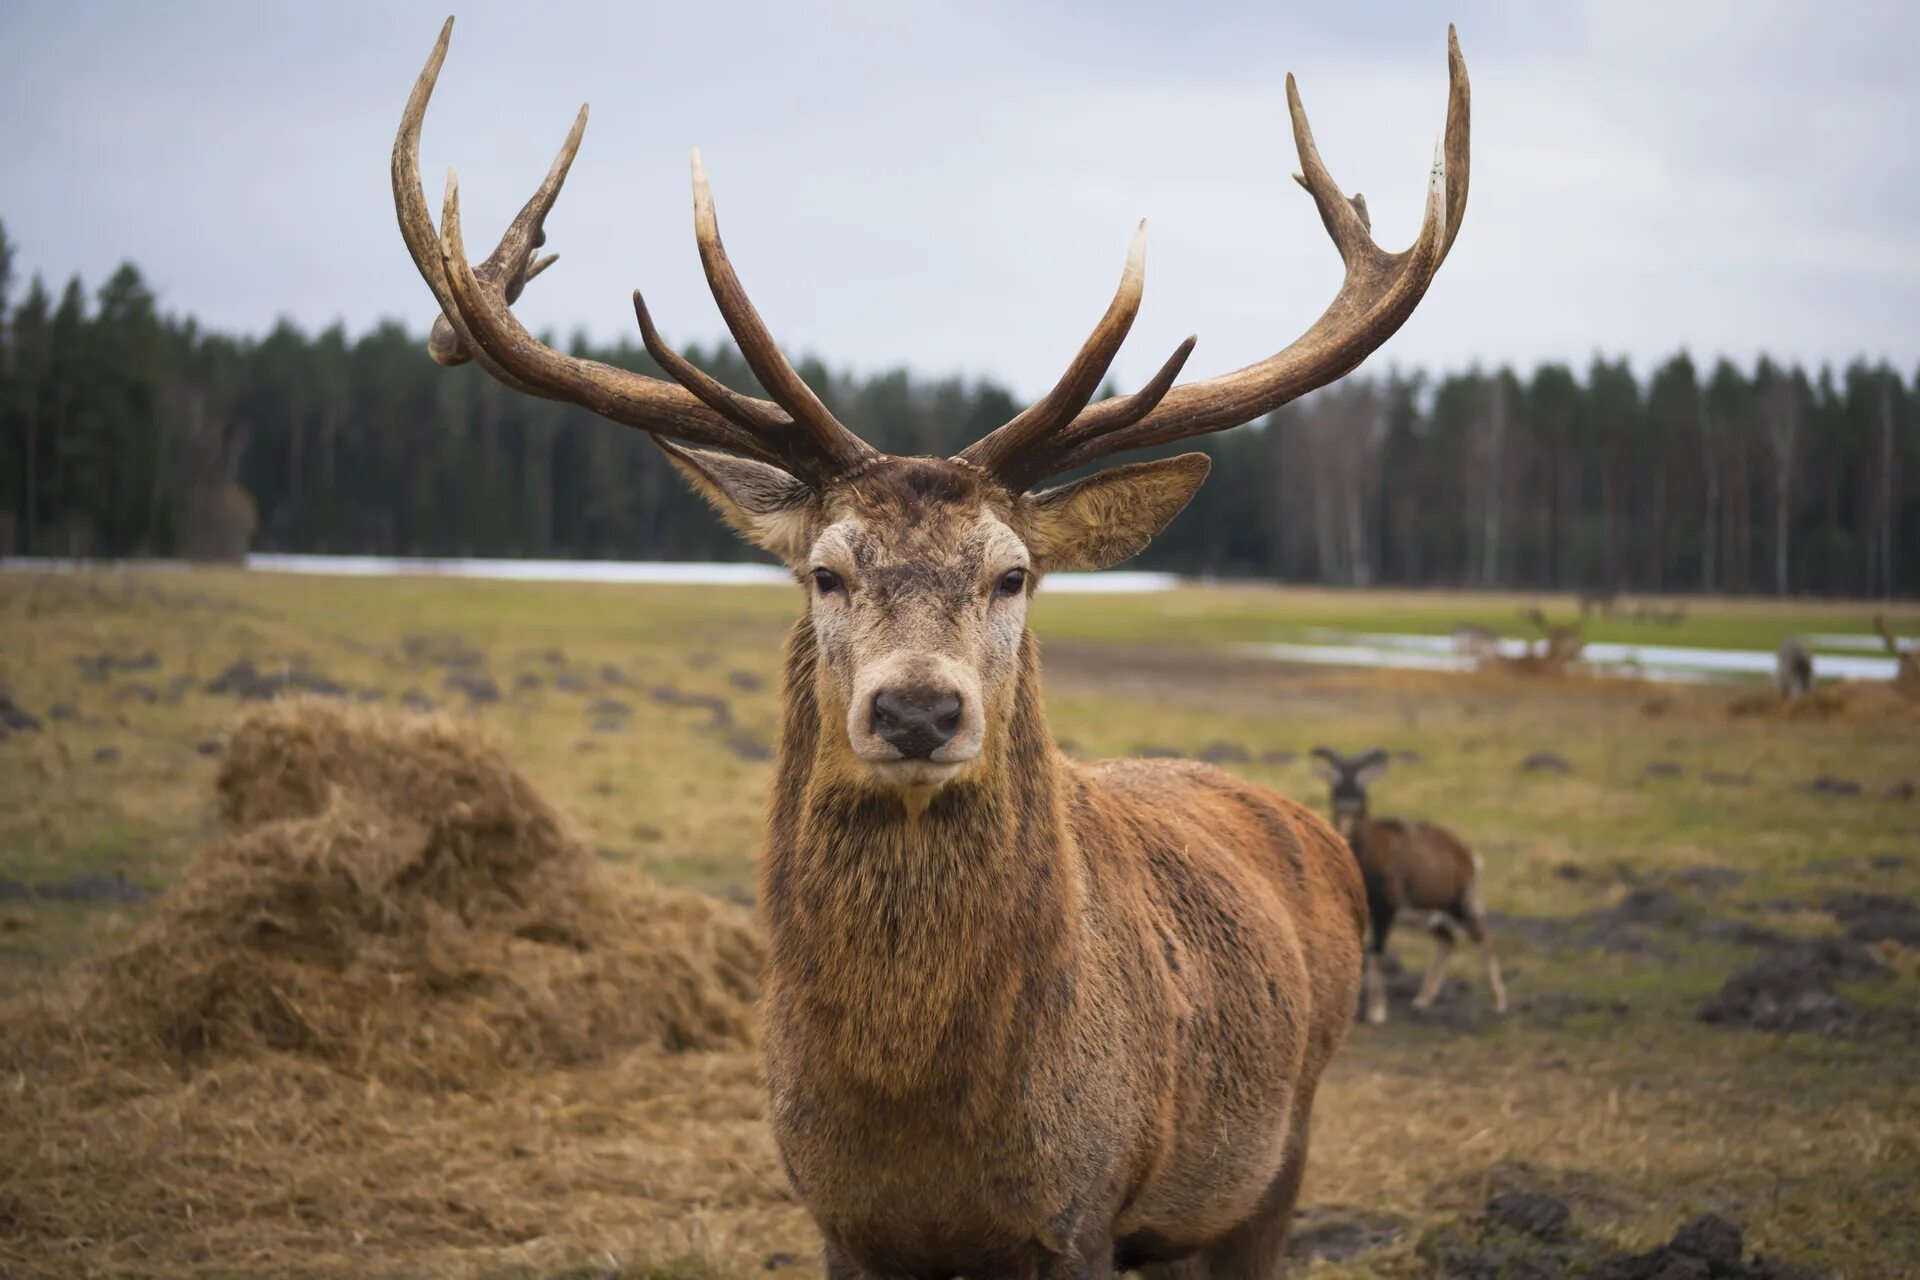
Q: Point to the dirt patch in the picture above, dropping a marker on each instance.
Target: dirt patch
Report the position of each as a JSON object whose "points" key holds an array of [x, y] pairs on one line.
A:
{"points": [[746, 746], [96, 668], [244, 680], [1822, 703], [1339, 1233], [1877, 917], [1546, 762], [440, 649], [479, 687], [719, 711], [1793, 988], [1531, 1235], [1650, 919], [87, 887], [1466, 1006], [15, 718]]}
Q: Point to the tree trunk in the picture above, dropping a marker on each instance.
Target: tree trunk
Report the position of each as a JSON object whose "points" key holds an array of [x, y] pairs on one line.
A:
{"points": [[1783, 426], [1710, 521], [1885, 565], [1491, 478]]}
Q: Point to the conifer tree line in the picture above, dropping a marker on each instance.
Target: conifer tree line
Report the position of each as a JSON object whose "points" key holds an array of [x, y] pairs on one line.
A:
{"points": [[128, 432]]}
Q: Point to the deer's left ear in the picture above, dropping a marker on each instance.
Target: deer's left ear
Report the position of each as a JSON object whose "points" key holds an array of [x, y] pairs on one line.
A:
{"points": [[1110, 515], [765, 505]]}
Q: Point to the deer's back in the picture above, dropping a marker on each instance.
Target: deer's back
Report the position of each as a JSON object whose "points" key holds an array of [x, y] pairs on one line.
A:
{"points": [[1421, 865]]}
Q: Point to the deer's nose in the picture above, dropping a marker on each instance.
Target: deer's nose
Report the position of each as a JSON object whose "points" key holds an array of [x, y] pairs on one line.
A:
{"points": [[916, 721]]}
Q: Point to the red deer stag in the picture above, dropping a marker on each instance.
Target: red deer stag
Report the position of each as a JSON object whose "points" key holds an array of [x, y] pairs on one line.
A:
{"points": [[1022, 1017], [1407, 866]]}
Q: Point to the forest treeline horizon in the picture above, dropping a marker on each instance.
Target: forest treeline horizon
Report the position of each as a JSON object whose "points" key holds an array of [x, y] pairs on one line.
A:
{"points": [[127, 432]]}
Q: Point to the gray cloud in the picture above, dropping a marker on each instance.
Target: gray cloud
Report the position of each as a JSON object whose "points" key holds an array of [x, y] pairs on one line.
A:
{"points": [[951, 187]]}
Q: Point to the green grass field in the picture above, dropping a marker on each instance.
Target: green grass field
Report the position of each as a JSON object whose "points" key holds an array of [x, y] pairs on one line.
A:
{"points": [[645, 715]]}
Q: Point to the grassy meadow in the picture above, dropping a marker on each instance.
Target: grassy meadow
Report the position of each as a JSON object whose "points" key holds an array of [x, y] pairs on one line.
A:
{"points": [[1657, 844]]}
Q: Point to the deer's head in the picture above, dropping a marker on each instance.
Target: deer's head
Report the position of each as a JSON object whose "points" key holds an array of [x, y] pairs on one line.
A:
{"points": [[918, 570], [1347, 780]]}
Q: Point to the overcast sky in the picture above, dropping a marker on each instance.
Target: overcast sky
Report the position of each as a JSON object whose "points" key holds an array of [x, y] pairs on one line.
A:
{"points": [[952, 186]]}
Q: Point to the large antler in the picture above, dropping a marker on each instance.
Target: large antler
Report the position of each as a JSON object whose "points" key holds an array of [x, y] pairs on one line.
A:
{"points": [[1379, 292], [477, 322]]}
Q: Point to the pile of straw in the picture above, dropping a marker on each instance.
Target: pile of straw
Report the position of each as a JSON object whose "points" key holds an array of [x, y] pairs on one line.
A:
{"points": [[392, 897]]}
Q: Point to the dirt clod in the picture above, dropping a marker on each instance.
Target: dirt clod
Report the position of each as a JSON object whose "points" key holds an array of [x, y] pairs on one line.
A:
{"points": [[1877, 917], [1791, 988], [477, 685], [14, 717], [1532, 1213]]}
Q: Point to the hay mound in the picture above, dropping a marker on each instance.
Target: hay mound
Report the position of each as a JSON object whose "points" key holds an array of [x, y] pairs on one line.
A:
{"points": [[391, 897]]}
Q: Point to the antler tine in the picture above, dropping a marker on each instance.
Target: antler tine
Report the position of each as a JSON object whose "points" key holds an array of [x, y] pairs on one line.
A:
{"points": [[1008, 451], [1378, 293], [792, 450], [512, 263], [496, 334], [839, 446], [477, 321]]}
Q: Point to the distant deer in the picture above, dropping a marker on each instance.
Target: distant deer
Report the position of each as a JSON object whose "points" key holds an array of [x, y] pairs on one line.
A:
{"points": [[1556, 649], [1792, 669], [1407, 866], [1599, 600], [1475, 642], [1906, 662], [1022, 1017]]}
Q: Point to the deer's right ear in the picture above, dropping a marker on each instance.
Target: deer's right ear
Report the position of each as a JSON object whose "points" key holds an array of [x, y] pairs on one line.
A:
{"points": [[765, 505]]}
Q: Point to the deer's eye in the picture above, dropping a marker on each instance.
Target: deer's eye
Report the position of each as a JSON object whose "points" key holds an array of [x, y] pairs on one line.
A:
{"points": [[1011, 583], [826, 582]]}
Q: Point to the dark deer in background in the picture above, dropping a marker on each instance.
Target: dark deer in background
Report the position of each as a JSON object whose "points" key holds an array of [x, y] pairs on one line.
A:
{"points": [[1021, 1017], [1792, 669], [1407, 866]]}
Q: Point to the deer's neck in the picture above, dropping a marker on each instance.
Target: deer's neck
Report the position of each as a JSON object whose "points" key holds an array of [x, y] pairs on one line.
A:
{"points": [[903, 936]]}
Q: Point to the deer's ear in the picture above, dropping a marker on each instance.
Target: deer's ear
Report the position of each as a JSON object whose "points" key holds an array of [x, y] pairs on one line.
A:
{"points": [[1110, 515], [765, 505], [1372, 765]]}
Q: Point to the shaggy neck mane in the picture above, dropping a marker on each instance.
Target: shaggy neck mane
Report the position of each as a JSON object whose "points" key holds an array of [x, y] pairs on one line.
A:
{"points": [[903, 942]]}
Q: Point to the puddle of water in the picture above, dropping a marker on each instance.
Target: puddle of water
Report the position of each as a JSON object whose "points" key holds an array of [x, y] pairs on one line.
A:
{"points": [[1658, 662]]}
